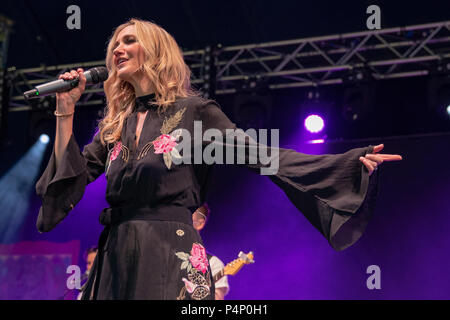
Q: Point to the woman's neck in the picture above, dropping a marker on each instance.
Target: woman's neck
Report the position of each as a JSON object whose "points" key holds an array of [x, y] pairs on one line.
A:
{"points": [[142, 86]]}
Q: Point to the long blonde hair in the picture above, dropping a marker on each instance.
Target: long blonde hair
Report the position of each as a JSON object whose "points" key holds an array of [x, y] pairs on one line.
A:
{"points": [[163, 65]]}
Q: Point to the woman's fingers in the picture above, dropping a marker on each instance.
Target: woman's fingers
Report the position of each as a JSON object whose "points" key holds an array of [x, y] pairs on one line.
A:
{"points": [[384, 157], [374, 164], [368, 164], [66, 76], [378, 148], [375, 157], [391, 157], [373, 160], [82, 83], [74, 94]]}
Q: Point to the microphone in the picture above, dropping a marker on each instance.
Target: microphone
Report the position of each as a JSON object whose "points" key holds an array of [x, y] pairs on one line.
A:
{"points": [[93, 76]]}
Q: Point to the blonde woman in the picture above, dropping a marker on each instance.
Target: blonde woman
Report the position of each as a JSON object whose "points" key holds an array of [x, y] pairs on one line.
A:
{"points": [[149, 248]]}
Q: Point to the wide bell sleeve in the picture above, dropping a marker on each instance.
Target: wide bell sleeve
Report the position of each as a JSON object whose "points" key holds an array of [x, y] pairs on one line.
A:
{"points": [[62, 188], [333, 191]]}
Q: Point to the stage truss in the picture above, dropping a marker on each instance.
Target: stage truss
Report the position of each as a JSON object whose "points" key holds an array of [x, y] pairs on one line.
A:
{"points": [[309, 62]]}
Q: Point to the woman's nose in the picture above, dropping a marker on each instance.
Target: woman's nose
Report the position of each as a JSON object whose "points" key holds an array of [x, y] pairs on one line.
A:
{"points": [[118, 50]]}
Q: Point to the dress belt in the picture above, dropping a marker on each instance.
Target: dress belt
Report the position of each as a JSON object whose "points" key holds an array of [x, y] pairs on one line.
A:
{"points": [[116, 215]]}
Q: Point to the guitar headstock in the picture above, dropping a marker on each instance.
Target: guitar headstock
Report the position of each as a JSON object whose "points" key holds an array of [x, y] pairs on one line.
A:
{"points": [[234, 266]]}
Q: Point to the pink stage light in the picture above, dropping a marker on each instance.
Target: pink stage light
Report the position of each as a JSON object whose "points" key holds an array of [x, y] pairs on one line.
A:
{"points": [[314, 123]]}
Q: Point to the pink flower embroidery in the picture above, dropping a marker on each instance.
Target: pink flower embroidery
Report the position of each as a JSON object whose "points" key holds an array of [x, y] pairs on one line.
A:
{"points": [[190, 287], [115, 151], [164, 143], [198, 258]]}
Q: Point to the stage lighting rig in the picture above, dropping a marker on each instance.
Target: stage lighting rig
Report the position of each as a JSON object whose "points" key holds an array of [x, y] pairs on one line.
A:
{"points": [[315, 111], [253, 108], [210, 71], [439, 89], [358, 95]]}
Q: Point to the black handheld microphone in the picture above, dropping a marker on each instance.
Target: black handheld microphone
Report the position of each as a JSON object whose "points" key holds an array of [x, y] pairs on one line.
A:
{"points": [[93, 76]]}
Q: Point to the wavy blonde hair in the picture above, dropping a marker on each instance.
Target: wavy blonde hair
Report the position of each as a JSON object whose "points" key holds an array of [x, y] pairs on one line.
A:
{"points": [[163, 65]]}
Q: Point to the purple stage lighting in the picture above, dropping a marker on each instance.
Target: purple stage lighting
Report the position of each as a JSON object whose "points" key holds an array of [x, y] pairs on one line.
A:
{"points": [[314, 123]]}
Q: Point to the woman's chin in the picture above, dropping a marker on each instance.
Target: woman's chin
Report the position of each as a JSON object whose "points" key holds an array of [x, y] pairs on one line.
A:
{"points": [[126, 73], [123, 74]]}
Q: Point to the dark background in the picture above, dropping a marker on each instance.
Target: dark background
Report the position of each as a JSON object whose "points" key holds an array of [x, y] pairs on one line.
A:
{"points": [[41, 35]]}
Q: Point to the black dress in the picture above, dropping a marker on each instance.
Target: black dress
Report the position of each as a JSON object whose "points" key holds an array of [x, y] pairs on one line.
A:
{"points": [[149, 248]]}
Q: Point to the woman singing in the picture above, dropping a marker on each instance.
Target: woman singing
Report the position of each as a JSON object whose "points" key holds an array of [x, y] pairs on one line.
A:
{"points": [[149, 248]]}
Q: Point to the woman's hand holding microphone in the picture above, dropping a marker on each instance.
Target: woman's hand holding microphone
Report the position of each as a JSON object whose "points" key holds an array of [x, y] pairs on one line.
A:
{"points": [[65, 101]]}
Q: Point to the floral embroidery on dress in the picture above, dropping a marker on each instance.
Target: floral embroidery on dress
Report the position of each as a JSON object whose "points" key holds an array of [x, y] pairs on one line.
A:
{"points": [[166, 142], [113, 154], [198, 258], [198, 281], [125, 153]]}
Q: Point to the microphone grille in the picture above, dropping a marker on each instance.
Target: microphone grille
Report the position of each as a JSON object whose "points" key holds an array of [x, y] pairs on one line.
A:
{"points": [[99, 74]]}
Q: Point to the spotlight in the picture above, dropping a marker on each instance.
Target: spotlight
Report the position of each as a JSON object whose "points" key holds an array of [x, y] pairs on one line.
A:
{"points": [[16, 186], [44, 138], [443, 97], [314, 123], [314, 111], [252, 110], [439, 96], [357, 102]]}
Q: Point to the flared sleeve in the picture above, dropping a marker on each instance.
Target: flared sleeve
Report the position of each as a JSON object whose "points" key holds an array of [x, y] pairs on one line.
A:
{"points": [[333, 191], [62, 188]]}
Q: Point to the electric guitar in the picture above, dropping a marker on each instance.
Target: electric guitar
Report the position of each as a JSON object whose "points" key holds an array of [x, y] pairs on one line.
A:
{"points": [[234, 266]]}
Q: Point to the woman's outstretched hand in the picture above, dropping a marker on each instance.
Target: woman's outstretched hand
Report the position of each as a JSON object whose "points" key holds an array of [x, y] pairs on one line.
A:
{"points": [[373, 160]]}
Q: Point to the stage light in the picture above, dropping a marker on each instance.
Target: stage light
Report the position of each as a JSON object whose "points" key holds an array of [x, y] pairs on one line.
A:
{"points": [[439, 90], [353, 108], [314, 123], [316, 141], [44, 138], [315, 112], [16, 186], [253, 109], [443, 100]]}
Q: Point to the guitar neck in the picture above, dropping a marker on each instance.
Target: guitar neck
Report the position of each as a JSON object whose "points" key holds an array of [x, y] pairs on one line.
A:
{"points": [[233, 267]]}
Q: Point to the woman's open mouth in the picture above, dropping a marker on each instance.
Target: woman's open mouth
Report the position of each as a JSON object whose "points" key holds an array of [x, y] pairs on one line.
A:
{"points": [[121, 62]]}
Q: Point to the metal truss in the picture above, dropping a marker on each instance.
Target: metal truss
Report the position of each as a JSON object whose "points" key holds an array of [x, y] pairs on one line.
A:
{"points": [[334, 59], [309, 62], [5, 30]]}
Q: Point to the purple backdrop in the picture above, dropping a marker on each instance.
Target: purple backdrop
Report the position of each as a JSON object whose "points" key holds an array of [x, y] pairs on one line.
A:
{"points": [[407, 236], [36, 270]]}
